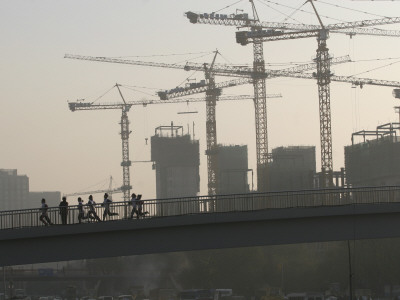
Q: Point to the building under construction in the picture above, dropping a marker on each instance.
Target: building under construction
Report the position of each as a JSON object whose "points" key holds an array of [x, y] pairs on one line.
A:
{"points": [[375, 160], [177, 160], [292, 168], [233, 169]]}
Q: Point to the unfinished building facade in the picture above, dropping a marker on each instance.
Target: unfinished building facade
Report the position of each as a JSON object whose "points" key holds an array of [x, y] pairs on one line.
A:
{"points": [[233, 169], [375, 160], [292, 168], [177, 160]]}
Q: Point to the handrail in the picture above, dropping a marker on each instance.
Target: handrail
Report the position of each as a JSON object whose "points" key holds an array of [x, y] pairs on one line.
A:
{"points": [[156, 208]]}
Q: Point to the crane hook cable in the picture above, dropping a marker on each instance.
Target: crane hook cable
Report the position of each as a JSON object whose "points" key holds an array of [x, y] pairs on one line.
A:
{"points": [[377, 68], [352, 9], [228, 6]]}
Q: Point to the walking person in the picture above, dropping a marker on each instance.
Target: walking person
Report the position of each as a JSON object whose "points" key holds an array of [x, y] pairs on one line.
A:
{"points": [[44, 218], [81, 213], [107, 202], [92, 211], [63, 206], [134, 205], [140, 207]]}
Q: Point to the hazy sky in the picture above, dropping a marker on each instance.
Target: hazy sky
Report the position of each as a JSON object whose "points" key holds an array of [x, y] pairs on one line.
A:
{"points": [[75, 151]]}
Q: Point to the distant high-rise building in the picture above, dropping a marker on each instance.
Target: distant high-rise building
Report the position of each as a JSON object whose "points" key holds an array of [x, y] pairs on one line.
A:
{"points": [[292, 168], [232, 170], [177, 161], [15, 194], [14, 190], [374, 162]]}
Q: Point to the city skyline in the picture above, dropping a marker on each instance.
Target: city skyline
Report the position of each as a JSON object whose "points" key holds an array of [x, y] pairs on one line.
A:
{"points": [[60, 150]]}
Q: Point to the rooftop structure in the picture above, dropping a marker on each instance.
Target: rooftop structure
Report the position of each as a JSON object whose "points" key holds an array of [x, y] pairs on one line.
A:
{"points": [[375, 161]]}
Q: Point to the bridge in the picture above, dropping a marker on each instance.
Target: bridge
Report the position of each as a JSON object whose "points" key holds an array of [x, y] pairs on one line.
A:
{"points": [[205, 222]]}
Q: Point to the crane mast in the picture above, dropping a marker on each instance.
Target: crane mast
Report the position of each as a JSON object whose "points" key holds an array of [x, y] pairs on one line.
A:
{"points": [[212, 95], [324, 96], [260, 106], [126, 163]]}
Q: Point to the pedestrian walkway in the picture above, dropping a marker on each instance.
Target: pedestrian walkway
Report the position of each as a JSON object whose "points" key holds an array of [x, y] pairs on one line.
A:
{"points": [[161, 208]]}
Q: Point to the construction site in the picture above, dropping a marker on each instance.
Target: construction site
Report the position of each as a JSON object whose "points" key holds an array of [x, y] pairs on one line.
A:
{"points": [[176, 155]]}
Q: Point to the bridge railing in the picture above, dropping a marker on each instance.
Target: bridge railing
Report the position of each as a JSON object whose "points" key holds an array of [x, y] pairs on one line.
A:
{"points": [[211, 204]]}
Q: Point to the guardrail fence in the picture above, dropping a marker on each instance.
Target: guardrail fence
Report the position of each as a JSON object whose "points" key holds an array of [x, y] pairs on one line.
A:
{"points": [[211, 204]]}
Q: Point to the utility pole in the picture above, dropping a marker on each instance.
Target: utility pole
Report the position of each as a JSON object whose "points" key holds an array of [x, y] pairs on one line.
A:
{"points": [[4, 282], [350, 272]]}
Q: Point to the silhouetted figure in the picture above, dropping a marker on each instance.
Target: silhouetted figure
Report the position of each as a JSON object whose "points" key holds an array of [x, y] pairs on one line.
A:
{"points": [[44, 218], [92, 211], [63, 206], [134, 206], [106, 205], [81, 212], [140, 207]]}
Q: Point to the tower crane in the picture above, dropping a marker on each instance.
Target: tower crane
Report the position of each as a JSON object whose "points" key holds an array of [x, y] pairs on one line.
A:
{"points": [[257, 35], [110, 191], [212, 95], [246, 74], [323, 74], [260, 103], [79, 105], [211, 98], [125, 132], [213, 90]]}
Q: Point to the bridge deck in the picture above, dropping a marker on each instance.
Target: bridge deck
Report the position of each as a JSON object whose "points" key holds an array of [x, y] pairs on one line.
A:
{"points": [[234, 221], [17, 219]]}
